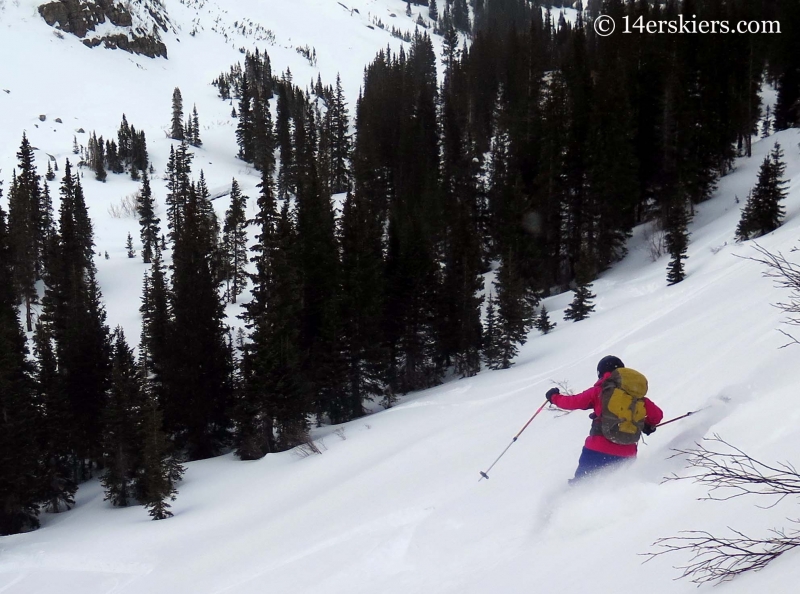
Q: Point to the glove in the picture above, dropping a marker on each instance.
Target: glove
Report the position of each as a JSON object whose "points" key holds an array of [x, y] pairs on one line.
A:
{"points": [[648, 429], [550, 393]]}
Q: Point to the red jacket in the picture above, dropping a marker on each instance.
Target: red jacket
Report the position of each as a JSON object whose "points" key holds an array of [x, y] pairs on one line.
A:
{"points": [[591, 399]]}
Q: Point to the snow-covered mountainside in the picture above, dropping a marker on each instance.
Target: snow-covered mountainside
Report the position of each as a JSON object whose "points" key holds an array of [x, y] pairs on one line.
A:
{"points": [[393, 504], [46, 73]]}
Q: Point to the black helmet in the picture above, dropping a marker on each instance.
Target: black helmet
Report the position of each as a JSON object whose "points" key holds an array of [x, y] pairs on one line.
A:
{"points": [[607, 364]]}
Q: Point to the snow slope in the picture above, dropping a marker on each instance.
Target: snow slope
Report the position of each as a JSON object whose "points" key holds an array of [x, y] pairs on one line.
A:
{"points": [[393, 505]]}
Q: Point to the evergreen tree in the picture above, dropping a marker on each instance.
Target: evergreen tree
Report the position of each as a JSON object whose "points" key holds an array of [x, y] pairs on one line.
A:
{"points": [[543, 323], [244, 128], [787, 64], [124, 142], [139, 157], [341, 143], [160, 471], [56, 438], [320, 328], [433, 10], [514, 311], [460, 15], [460, 326], [196, 128], [363, 297], [97, 157], [178, 185], [20, 422], [75, 316], [283, 137], [176, 131], [129, 247], [234, 243], [121, 424], [677, 241], [112, 157], [26, 230], [763, 212], [272, 373], [50, 175], [196, 387], [581, 305], [156, 318], [252, 410], [491, 335], [148, 221]]}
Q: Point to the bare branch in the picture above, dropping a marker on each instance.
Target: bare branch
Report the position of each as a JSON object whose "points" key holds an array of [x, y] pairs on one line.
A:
{"points": [[787, 275], [734, 473], [716, 559], [729, 474]]}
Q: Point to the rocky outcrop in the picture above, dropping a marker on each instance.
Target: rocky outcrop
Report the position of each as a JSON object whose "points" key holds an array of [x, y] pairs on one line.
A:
{"points": [[147, 46], [80, 17]]}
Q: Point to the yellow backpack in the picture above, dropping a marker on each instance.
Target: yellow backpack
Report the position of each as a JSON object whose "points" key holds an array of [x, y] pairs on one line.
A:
{"points": [[624, 412]]}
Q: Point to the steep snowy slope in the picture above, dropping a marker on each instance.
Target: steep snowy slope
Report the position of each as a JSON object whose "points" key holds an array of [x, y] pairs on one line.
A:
{"points": [[393, 504]]}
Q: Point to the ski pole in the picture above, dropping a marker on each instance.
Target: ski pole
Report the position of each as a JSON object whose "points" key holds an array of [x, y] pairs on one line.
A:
{"points": [[688, 414], [485, 474]]}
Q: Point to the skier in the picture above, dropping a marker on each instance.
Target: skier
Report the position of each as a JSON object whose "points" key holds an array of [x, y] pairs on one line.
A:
{"points": [[615, 429]]}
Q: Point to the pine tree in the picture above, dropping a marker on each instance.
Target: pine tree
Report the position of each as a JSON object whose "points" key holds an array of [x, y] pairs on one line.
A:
{"points": [[433, 10], [121, 424], [178, 185], [543, 323], [156, 318], [763, 212], [581, 305], [283, 138], [514, 311], [234, 243], [341, 143], [124, 142], [75, 317], [272, 373], [50, 175], [20, 421], [148, 221], [160, 471], [677, 241], [97, 157], [362, 301], [460, 326], [460, 15], [26, 230], [195, 128], [244, 128], [197, 387], [56, 438], [320, 329], [491, 335], [176, 131], [129, 247], [252, 411]]}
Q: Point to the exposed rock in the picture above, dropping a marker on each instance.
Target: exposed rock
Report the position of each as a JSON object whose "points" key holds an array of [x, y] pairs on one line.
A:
{"points": [[146, 46], [59, 120], [42, 117], [80, 131], [79, 17]]}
